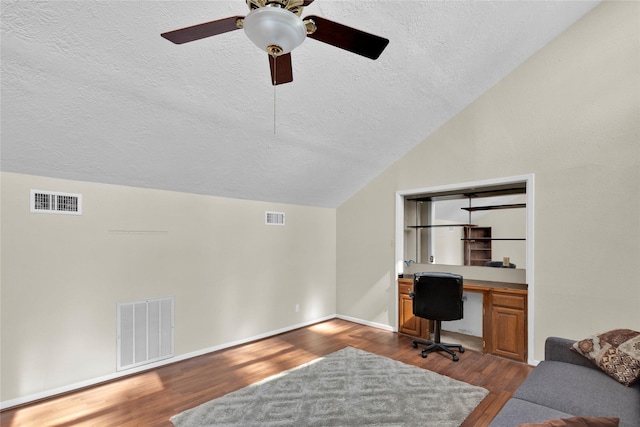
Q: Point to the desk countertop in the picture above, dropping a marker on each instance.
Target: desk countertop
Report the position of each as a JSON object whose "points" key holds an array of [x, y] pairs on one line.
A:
{"points": [[480, 285]]}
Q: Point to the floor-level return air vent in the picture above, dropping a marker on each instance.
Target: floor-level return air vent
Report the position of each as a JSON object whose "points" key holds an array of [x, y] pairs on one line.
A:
{"points": [[145, 332], [54, 202], [274, 218]]}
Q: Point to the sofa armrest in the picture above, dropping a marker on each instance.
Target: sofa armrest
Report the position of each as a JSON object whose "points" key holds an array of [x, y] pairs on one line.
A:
{"points": [[559, 349]]}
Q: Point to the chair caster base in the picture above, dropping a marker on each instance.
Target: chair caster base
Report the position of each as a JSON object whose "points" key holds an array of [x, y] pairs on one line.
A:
{"points": [[432, 346]]}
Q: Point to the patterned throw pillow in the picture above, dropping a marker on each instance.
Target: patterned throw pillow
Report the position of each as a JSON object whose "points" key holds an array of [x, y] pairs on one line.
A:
{"points": [[616, 352]]}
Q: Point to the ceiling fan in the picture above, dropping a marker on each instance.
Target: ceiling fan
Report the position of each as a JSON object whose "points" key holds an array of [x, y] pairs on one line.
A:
{"points": [[276, 27]]}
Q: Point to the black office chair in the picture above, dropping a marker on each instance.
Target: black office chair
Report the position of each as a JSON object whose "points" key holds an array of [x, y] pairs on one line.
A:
{"points": [[438, 297]]}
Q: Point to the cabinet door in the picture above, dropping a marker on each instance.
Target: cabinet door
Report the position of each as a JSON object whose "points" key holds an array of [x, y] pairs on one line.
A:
{"points": [[409, 324], [508, 326]]}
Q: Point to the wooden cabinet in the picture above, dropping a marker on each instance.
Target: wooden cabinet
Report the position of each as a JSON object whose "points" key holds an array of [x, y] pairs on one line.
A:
{"points": [[508, 323], [408, 323], [504, 317], [477, 245]]}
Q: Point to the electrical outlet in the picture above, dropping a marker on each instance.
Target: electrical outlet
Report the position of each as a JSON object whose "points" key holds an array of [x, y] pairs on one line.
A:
{"points": [[297, 308]]}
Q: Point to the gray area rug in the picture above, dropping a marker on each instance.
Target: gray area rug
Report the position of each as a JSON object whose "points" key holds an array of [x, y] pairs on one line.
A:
{"points": [[347, 388]]}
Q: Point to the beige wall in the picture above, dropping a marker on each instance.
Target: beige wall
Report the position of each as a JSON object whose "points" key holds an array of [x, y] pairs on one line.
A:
{"points": [[233, 278], [570, 115]]}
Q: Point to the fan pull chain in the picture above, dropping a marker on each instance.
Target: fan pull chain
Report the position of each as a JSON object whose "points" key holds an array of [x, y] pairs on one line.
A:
{"points": [[275, 73]]}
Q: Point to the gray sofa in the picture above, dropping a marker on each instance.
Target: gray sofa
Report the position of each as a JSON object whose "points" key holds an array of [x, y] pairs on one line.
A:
{"points": [[565, 385]]}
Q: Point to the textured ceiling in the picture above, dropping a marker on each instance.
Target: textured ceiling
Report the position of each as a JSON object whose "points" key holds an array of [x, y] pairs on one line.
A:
{"points": [[90, 91]]}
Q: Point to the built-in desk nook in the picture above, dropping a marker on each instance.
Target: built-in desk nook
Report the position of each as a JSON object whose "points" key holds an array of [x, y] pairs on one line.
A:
{"points": [[504, 316]]}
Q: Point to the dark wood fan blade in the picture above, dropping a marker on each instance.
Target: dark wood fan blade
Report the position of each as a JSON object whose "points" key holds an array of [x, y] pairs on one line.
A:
{"points": [[307, 3], [281, 70], [202, 31], [348, 38]]}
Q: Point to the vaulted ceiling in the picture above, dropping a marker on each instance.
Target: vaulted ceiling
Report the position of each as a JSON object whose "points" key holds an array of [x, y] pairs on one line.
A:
{"points": [[91, 92]]}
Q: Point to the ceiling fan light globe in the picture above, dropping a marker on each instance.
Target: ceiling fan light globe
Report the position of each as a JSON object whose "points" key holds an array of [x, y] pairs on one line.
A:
{"points": [[273, 26]]}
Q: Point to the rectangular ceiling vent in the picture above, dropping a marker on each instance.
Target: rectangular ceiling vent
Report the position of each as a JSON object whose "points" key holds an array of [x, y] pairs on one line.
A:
{"points": [[274, 218], [56, 202]]}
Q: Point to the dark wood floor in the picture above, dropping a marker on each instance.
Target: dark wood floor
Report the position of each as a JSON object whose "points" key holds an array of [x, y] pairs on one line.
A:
{"points": [[151, 398]]}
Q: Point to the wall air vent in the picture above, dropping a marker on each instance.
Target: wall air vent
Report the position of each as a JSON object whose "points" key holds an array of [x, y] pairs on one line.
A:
{"points": [[274, 218], [55, 202], [145, 332]]}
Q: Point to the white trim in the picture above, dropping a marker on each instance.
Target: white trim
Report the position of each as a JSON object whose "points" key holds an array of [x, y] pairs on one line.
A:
{"points": [[399, 249], [116, 375], [366, 322], [530, 271], [529, 182]]}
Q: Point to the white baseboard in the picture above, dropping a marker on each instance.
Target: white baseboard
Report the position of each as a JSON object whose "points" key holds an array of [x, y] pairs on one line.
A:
{"points": [[95, 381], [365, 322]]}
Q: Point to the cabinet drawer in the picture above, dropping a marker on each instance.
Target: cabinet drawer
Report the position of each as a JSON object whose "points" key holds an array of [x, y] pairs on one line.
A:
{"points": [[404, 289], [508, 300]]}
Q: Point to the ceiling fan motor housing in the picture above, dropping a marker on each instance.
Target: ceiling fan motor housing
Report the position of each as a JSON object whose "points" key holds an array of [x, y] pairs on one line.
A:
{"points": [[275, 30], [294, 6]]}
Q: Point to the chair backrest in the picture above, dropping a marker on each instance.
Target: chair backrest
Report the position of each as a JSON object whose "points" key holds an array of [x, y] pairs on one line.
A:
{"points": [[499, 264], [438, 296]]}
